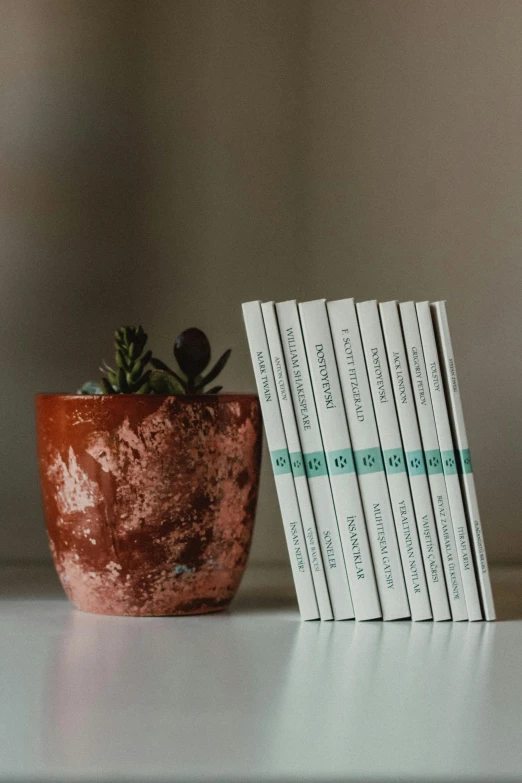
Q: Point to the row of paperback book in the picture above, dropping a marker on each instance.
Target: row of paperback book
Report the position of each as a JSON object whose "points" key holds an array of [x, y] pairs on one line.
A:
{"points": [[363, 418]]}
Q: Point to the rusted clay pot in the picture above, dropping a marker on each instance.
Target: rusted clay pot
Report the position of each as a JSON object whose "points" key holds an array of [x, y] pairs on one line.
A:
{"points": [[149, 500]]}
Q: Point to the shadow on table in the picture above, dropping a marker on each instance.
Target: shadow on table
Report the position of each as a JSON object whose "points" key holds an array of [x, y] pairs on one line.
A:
{"points": [[507, 592], [263, 602], [40, 582]]}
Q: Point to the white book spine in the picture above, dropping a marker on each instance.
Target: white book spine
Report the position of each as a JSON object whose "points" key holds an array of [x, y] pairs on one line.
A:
{"points": [[414, 458], [280, 461], [368, 458], [393, 458], [339, 459], [430, 445], [315, 461], [464, 457], [296, 459], [449, 460]]}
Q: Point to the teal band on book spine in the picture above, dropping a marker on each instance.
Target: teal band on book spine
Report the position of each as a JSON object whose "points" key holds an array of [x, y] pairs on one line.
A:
{"points": [[415, 463], [315, 464], [394, 461], [297, 460], [280, 461], [340, 461], [433, 461], [449, 462], [368, 460], [464, 460]]}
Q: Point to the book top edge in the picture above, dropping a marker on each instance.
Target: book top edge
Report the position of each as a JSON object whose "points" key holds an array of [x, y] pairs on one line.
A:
{"points": [[348, 299], [310, 302]]}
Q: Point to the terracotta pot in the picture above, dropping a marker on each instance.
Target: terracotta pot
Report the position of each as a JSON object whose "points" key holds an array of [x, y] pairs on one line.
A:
{"points": [[149, 500]]}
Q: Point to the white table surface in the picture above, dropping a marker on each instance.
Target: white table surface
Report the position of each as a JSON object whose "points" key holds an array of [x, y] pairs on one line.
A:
{"points": [[254, 694]]}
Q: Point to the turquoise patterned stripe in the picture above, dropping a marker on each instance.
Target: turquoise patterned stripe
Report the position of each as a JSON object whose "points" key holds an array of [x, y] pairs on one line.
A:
{"points": [[433, 461], [368, 460], [394, 461], [415, 463], [315, 464], [297, 460], [464, 461], [449, 462], [280, 461], [340, 461]]}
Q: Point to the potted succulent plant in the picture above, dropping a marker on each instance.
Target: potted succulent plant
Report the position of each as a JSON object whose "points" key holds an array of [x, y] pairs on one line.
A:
{"points": [[150, 482]]}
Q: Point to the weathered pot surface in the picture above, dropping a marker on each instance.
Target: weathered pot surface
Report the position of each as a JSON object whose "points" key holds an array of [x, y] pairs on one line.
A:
{"points": [[149, 500]]}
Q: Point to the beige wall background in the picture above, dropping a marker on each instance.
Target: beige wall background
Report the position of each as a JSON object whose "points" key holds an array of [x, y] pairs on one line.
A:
{"points": [[161, 162]]}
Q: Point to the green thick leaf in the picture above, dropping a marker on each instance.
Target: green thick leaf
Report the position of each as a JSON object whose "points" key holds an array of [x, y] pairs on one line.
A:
{"points": [[214, 372], [106, 387], [121, 361], [159, 365], [131, 375], [143, 380], [145, 359], [90, 387], [122, 382], [164, 383]]}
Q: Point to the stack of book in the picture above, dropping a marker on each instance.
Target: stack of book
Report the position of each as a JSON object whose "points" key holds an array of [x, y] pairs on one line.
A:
{"points": [[364, 423]]}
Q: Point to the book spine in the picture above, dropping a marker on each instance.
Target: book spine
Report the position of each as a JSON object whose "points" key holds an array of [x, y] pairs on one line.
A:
{"points": [[394, 462], [449, 460], [464, 458], [280, 460], [430, 445], [339, 459], [296, 459], [414, 458], [368, 458], [315, 460]]}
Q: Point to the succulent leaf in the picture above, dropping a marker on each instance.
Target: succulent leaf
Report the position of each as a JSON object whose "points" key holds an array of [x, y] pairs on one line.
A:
{"points": [[120, 360], [122, 381], [145, 359], [106, 387], [142, 373], [192, 353], [142, 385], [135, 373], [180, 381], [214, 372], [159, 382], [90, 387], [164, 383], [159, 365]]}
